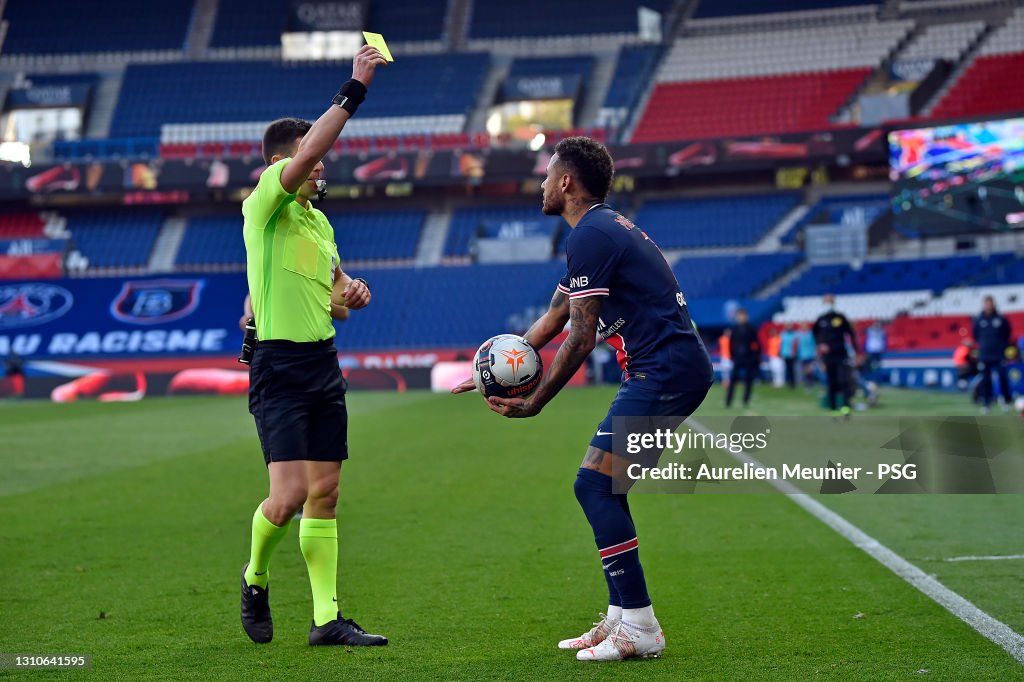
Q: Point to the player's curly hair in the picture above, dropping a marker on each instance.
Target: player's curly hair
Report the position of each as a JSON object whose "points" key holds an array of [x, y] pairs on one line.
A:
{"points": [[589, 162], [280, 136]]}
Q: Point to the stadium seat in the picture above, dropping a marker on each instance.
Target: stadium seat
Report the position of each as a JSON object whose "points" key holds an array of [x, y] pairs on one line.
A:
{"points": [[721, 221], [728, 8], [154, 95], [121, 238], [121, 26], [538, 18]]}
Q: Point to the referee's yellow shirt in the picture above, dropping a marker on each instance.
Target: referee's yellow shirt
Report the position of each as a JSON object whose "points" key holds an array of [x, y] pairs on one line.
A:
{"points": [[290, 260]]}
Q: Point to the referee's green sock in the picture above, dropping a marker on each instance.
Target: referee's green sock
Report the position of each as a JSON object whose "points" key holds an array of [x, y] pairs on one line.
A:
{"points": [[318, 539], [265, 538]]}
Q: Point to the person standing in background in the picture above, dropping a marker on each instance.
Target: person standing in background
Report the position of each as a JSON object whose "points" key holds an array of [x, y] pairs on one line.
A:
{"points": [[807, 353], [992, 335], [787, 352], [836, 341], [875, 344], [725, 357], [775, 362], [746, 357]]}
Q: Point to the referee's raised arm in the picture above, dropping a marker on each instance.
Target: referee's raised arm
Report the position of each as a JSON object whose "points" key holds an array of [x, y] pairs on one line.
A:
{"points": [[318, 141]]}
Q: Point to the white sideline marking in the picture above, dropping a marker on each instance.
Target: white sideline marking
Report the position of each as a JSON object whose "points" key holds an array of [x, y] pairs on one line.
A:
{"points": [[989, 557], [987, 626]]}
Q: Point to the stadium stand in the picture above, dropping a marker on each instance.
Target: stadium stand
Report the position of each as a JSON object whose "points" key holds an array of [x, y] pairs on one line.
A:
{"points": [[944, 41], [967, 300], [158, 94], [212, 241], [934, 274], [248, 23], [721, 221], [409, 20], [18, 225], [633, 70], [377, 235], [1012, 271], [476, 300], [121, 238], [879, 305], [361, 236], [467, 221], [548, 66], [840, 210], [985, 86], [121, 25], [798, 77], [729, 8], [535, 18], [730, 276]]}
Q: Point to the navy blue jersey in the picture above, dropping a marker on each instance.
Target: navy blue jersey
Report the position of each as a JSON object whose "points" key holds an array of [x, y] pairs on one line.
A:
{"points": [[643, 311]]}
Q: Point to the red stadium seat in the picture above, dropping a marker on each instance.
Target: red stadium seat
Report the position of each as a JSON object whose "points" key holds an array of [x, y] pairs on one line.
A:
{"points": [[986, 87], [746, 106]]}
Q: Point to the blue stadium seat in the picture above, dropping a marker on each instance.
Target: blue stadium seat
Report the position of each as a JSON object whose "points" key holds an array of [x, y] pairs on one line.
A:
{"points": [[377, 235], [838, 210], [70, 26], [729, 8], [370, 235], [720, 221], [122, 238], [1005, 272], [466, 223], [551, 66], [730, 277], [897, 275], [535, 18], [632, 73], [213, 240], [466, 304], [154, 94], [408, 20], [249, 23]]}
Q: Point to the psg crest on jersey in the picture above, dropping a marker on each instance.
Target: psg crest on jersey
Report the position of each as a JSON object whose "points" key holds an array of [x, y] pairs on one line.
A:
{"points": [[156, 301]]}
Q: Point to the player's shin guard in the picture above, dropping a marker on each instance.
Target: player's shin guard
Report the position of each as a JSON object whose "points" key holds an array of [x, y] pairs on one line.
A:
{"points": [[615, 536]]}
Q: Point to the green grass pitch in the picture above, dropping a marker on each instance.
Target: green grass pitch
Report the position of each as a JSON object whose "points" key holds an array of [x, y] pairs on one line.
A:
{"points": [[462, 541]]}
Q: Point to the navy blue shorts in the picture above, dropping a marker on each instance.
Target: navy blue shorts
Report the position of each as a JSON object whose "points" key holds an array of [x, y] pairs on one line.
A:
{"points": [[634, 399], [297, 397]]}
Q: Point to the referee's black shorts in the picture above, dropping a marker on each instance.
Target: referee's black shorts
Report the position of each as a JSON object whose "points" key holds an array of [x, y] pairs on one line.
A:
{"points": [[297, 396]]}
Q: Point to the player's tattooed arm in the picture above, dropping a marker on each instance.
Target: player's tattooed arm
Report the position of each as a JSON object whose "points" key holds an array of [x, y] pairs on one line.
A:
{"points": [[550, 323], [584, 314]]}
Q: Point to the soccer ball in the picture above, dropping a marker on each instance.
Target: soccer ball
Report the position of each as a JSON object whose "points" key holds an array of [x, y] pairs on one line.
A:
{"points": [[506, 366]]}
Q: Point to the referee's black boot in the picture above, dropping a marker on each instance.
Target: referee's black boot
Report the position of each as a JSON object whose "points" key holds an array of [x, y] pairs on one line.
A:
{"points": [[344, 631], [256, 618]]}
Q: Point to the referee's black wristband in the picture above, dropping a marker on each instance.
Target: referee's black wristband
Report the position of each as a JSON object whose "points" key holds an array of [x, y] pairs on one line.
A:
{"points": [[350, 96]]}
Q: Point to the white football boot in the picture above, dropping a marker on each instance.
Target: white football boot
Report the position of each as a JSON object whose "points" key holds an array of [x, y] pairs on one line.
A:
{"points": [[626, 641], [592, 637]]}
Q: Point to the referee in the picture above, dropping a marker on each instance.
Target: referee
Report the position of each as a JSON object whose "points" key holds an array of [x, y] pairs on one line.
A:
{"points": [[296, 390]]}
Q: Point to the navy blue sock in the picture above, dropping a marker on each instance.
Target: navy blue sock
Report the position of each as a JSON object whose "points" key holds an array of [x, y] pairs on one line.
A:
{"points": [[615, 536]]}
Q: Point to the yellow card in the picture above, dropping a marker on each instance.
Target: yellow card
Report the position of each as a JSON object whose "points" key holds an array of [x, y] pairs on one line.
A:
{"points": [[377, 40]]}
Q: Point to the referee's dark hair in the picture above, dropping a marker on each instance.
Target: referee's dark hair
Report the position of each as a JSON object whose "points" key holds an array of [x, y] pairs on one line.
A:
{"points": [[280, 136], [589, 162]]}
